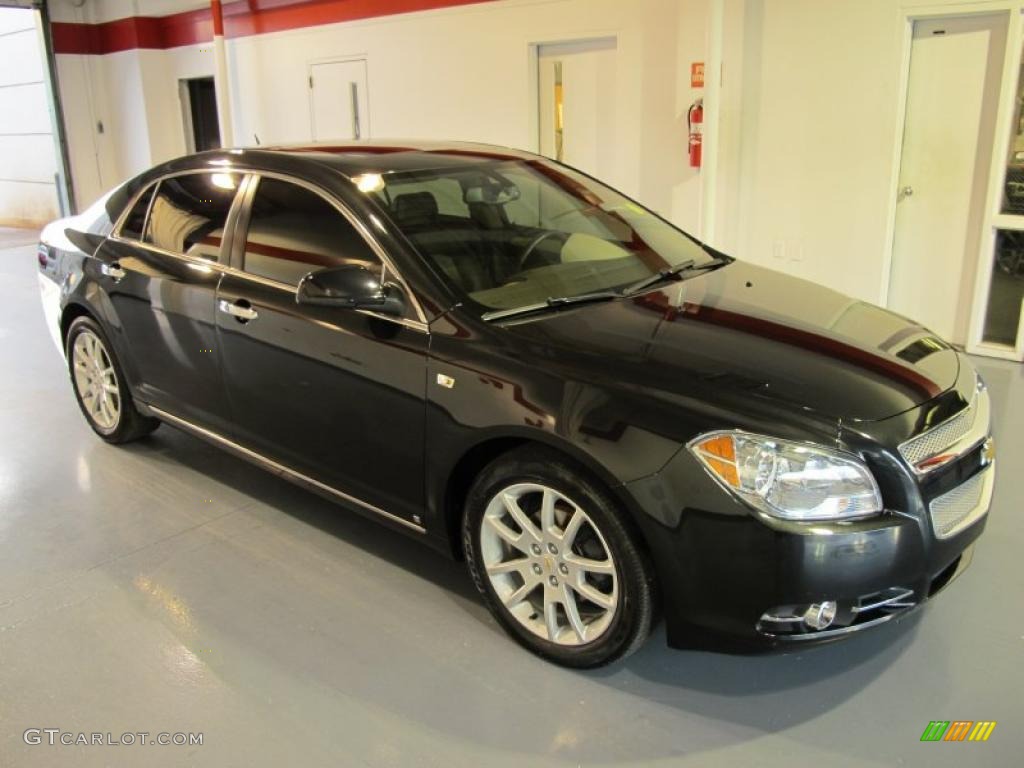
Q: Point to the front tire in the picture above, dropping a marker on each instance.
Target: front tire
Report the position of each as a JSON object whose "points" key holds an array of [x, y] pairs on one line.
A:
{"points": [[557, 567], [100, 386]]}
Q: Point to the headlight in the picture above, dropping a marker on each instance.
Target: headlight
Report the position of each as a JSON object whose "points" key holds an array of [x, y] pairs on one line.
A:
{"points": [[792, 481]]}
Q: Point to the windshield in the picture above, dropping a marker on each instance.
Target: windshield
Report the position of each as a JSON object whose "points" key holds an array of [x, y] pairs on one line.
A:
{"points": [[513, 234]]}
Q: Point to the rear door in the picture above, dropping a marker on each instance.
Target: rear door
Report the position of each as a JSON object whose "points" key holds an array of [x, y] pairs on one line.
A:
{"points": [[160, 271], [337, 395]]}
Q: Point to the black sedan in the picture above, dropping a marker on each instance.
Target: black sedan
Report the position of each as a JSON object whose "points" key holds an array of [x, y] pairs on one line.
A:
{"points": [[498, 354]]}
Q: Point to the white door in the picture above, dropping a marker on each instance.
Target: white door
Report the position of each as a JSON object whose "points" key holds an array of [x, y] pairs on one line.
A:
{"points": [[952, 97], [339, 101], [576, 106]]}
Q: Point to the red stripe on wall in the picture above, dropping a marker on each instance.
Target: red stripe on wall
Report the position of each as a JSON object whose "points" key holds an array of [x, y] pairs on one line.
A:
{"points": [[241, 19]]}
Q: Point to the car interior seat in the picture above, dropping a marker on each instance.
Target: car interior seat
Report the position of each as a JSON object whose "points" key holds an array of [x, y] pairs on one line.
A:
{"points": [[455, 246]]}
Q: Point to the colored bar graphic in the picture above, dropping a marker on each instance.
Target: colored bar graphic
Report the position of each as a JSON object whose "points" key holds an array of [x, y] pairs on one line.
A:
{"points": [[982, 730], [958, 730]]}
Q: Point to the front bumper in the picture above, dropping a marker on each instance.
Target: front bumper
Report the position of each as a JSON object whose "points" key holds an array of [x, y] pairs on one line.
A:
{"points": [[735, 579]]}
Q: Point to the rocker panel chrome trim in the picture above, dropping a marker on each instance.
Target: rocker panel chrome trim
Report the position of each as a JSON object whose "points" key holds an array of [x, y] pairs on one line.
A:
{"points": [[276, 468]]}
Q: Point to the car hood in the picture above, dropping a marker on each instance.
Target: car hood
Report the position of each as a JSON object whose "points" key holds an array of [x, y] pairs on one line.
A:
{"points": [[760, 333]]}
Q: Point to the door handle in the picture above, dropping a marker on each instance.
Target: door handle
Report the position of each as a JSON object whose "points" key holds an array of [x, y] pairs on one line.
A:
{"points": [[904, 192], [243, 313], [113, 270], [353, 93]]}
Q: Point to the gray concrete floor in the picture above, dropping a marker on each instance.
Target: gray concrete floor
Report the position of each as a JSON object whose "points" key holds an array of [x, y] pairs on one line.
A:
{"points": [[167, 586]]}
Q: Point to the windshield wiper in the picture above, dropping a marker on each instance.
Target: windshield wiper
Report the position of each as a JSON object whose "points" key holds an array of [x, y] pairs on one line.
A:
{"points": [[688, 265], [552, 302]]}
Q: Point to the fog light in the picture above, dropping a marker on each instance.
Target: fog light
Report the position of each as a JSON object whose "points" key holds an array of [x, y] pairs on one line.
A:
{"points": [[820, 615]]}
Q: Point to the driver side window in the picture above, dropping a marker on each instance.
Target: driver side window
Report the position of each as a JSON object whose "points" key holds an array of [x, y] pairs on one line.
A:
{"points": [[294, 231]]}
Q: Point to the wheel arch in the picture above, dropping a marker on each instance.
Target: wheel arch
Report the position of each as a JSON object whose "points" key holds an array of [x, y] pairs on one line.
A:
{"points": [[71, 312], [474, 458], [75, 308]]}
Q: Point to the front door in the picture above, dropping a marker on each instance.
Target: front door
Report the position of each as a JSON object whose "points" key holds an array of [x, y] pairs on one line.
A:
{"points": [[952, 98], [337, 395], [161, 277]]}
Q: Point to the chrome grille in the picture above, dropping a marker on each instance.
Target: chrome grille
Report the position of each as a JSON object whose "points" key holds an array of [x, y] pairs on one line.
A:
{"points": [[936, 440], [968, 502], [950, 439]]}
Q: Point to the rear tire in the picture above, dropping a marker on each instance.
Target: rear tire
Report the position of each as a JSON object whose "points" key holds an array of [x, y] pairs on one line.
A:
{"points": [[556, 565], [100, 386]]}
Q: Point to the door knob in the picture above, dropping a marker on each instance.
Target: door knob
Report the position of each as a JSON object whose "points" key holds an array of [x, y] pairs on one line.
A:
{"points": [[907, 191]]}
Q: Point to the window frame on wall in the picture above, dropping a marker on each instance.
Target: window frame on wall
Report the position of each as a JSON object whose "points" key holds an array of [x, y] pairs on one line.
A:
{"points": [[1008, 119]]}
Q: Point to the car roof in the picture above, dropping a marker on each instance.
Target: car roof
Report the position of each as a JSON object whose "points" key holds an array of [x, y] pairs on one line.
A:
{"points": [[353, 158]]}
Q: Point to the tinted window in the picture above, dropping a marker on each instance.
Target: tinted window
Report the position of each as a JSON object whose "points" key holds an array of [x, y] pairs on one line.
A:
{"points": [[446, 192], [136, 218], [293, 231], [527, 231], [189, 213]]}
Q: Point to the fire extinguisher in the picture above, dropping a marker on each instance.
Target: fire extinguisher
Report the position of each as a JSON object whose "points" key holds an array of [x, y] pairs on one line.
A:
{"points": [[695, 123]]}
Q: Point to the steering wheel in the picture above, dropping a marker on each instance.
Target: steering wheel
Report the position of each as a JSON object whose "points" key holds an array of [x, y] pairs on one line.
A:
{"points": [[533, 246]]}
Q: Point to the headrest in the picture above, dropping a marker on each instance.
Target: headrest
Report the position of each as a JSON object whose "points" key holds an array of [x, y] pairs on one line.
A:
{"points": [[414, 208]]}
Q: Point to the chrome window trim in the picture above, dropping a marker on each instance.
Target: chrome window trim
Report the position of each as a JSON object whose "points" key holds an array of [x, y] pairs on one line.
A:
{"points": [[213, 265], [276, 467], [155, 186], [980, 412], [234, 216], [227, 219], [359, 226], [249, 190], [119, 223]]}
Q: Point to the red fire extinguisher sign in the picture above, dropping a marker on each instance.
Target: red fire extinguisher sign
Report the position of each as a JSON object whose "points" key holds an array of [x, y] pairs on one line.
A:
{"points": [[697, 74]]}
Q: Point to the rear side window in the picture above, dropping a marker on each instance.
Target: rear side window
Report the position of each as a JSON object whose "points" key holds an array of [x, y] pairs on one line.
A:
{"points": [[189, 213], [294, 231], [136, 218]]}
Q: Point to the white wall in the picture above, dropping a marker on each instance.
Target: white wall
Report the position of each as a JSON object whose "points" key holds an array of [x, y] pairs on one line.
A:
{"points": [[808, 106], [811, 95], [27, 189], [459, 73]]}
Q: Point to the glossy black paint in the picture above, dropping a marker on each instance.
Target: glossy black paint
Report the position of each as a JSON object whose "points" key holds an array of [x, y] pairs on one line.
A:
{"points": [[349, 287], [171, 348], [333, 393], [352, 398]]}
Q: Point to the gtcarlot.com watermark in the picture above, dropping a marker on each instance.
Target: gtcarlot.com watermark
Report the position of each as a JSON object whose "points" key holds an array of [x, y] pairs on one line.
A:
{"points": [[56, 737]]}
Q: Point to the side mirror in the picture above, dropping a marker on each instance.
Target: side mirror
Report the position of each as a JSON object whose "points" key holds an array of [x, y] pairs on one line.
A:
{"points": [[350, 286]]}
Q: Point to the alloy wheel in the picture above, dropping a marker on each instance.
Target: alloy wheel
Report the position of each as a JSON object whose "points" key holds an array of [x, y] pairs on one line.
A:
{"points": [[549, 564], [96, 381]]}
